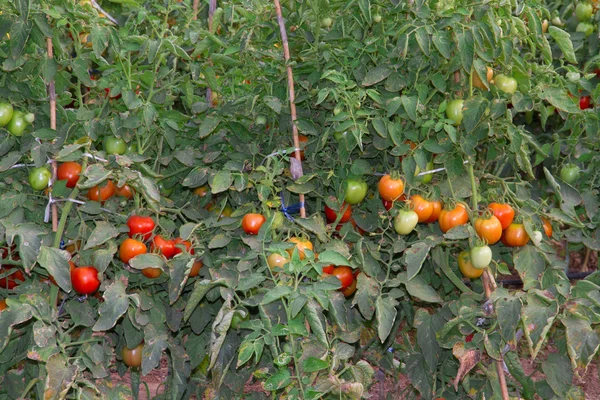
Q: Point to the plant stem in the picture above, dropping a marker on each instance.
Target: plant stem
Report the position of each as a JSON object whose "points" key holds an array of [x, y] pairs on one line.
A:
{"points": [[63, 218]]}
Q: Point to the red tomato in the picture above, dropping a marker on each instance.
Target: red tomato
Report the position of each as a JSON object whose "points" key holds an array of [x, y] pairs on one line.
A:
{"points": [[2, 304], [125, 191], [328, 269], [139, 225], [331, 214], [69, 171], [345, 275], [422, 207], [85, 280], [448, 219], [390, 189], [437, 206], [179, 243], [547, 227], [13, 279], [151, 273], [252, 222], [504, 212], [515, 236], [387, 204], [163, 246], [349, 291], [131, 248], [585, 102], [196, 268], [489, 229], [102, 192]]}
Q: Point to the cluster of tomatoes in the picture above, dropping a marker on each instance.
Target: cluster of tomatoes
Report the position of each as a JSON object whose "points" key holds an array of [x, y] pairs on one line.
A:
{"points": [[15, 121]]}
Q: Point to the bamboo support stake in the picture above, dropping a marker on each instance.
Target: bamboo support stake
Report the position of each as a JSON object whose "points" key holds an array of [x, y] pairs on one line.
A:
{"points": [[292, 96], [212, 6], [52, 96], [488, 286], [195, 7]]}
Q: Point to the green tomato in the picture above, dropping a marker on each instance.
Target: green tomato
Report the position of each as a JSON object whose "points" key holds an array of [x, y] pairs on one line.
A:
{"points": [[164, 190], [424, 178], [17, 124], [337, 110], [278, 220], [131, 148], [481, 256], [454, 111], [29, 118], [260, 120], [377, 18], [114, 145], [570, 173], [586, 28], [237, 319], [326, 22], [356, 190], [39, 178], [6, 113], [339, 136], [583, 11], [405, 221], [507, 84]]}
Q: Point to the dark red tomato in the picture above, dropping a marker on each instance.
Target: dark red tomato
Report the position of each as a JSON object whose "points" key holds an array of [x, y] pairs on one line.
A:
{"points": [[196, 268], [13, 279], [139, 225], [349, 291], [504, 212], [131, 248], [69, 171], [387, 204], [133, 357], [331, 214], [125, 191], [180, 243], [469, 337], [85, 280], [252, 222], [328, 269], [585, 102], [345, 275], [163, 246], [102, 192]]}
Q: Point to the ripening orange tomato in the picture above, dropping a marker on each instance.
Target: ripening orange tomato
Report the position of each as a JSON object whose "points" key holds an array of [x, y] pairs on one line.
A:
{"points": [[131, 248], [515, 236], [436, 206], [504, 212], [489, 229], [422, 207], [196, 268], [151, 273], [301, 245], [547, 227], [390, 189], [449, 219], [102, 192], [124, 191]]}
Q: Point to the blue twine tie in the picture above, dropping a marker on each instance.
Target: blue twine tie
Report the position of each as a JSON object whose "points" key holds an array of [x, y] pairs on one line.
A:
{"points": [[292, 209]]}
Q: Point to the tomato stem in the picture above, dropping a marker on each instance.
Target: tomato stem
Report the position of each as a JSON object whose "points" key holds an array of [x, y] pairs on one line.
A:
{"points": [[473, 187]]}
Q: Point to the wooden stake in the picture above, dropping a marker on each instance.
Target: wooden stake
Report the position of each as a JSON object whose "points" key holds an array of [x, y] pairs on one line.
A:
{"points": [[488, 286], [292, 96], [52, 96], [212, 6]]}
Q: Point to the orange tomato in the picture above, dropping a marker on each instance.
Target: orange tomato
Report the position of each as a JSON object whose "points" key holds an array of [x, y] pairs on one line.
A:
{"points": [[449, 219], [504, 212], [252, 222], [151, 273], [422, 207], [124, 191], [2, 304], [390, 189], [466, 267], [196, 268], [515, 236], [102, 192], [437, 206], [301, 245], [547, 227], [489, 229], [201, 191], [131, 248]]}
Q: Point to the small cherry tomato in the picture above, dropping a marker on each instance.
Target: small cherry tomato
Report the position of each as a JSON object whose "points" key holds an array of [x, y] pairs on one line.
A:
{"points": [[252, 222], [489, 229], [163, 246], [481, 256], [124, 191], [449, 219], [585, 102], [390, 189], [85, 280], [356, 190], [69, 171], [132, 357], [422, 207], [405, 221], [547, 227], [139, 225], [436, 206], [466, 267], [275, 260], [131, 248], [504, 212], [515, 236], [102, 192], [181, 244], [331, 214], [301, 245], [345, 275]]}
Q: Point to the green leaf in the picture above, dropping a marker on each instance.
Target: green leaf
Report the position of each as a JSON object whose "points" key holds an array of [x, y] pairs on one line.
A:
{"points": [[414, 257], [563, 39], [103, 232], [558, 373], [278, 380], [466, 49], [367, 292], [313, 364], [530, 264], [582, 341], [442, 41], [208, 126], [332, 257], [56, 262], [420, 289], [376, 75], [427, 326], [423, 39], [273, 103], [386, 316], [473, 112], [200, 290], [220, 59], [221, 182], [419, 375], [559, 98], [276, 293], [410, 106], [538, 316], [508, 310], [116, 302]]}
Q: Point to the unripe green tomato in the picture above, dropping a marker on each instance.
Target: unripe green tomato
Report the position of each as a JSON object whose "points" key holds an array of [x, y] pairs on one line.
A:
{"points": [[6, 113], [584, 11], [454, 111], [507, 84], [585, 28], [405, 222], [570, 173], [377, 18], [114, 145], [260, 120], [424, 178], [17, 124], [337, 110], [326, 22], [39, 178], [29, 118]]}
